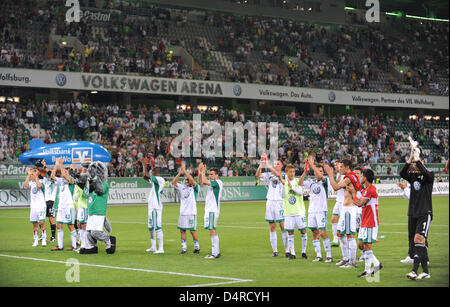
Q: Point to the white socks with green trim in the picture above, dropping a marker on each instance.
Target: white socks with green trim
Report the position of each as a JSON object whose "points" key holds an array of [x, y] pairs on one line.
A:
{"points": [[316, 244], [160, 237], [304, 242], [60, 238], [273, 241], [215, 245], [344, 247], [291, 244], [352, 247], [284, 235], [327, 247], [73, 237]]}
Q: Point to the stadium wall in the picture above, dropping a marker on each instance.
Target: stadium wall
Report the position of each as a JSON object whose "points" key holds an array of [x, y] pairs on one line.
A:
{"points": [[199, 88], [135, 191]]}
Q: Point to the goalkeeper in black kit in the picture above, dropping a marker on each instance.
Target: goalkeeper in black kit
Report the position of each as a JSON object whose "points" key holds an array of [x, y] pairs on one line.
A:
{"points": [[420, 211]]}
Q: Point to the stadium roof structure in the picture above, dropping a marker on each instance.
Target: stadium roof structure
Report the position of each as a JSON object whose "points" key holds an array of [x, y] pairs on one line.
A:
{"points": [[435, 9]]}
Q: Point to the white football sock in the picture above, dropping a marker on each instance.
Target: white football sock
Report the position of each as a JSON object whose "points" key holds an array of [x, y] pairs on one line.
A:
{"points": [[73, 237], [304, 242], [368, 260], [60, 238], [160, 237], [183, 244], [82, 237], [153, 239], [334, 231], [327, 247], [352, 247], [273, 241], [291, 244], [316, 244], [344, 247], [216, 245], [284, 236], [35, 235], [196, 244], [374, 260]]}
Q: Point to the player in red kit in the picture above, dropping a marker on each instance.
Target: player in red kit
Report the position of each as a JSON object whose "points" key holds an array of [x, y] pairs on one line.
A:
{"points": [[369, 221]]}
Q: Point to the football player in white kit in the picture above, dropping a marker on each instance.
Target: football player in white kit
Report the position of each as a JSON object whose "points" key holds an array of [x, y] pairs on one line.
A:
{"points": [[188, 208], [66, 211], [318, 209], [37, 205], [155, 208], [337, 206], [274, 203], [212, 206]]}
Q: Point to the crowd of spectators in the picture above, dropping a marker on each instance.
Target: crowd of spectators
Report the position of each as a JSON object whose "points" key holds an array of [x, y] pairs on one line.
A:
{"points": [[264, 50], [131, 133]]}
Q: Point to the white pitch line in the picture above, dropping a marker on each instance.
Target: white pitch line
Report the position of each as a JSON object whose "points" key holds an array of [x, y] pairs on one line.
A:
{"points": [[214, 284], [233, 280], [250, 227]]}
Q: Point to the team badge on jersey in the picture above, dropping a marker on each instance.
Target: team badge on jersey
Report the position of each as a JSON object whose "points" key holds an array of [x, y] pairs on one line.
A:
{"points": [[417, 185], [185, 193], [316, 189], [292, 200]]}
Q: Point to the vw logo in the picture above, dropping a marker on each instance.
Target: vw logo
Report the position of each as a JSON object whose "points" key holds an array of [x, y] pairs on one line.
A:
{"points": [[90, 199], [237, 90], [417, 185], [34, 190], [185, 194], [331, 96], [316, 189], [61, 79], [292, 200]]}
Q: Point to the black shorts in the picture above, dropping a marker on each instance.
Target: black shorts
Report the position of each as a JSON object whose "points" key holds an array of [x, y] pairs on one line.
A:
{"points": [[50, 210], [420, 224]]}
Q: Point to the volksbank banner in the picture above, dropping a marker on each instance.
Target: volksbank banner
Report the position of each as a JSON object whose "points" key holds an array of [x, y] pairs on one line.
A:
{"points": [[151, 85]]}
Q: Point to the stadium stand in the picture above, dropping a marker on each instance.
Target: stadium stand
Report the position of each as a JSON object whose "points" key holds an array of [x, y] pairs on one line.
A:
{"points": [[400, 57], [132, 132]]}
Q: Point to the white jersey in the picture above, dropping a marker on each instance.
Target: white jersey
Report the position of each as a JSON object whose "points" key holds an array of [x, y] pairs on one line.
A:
{"points": [[213, 196], [189, 195], [50, 189], [318, 195], [65, 195], [37, 200], [340, 193], [276, 188], [154, 197]]}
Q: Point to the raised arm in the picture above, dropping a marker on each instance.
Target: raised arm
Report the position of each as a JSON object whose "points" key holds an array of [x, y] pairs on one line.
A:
{"points": [[202, 170], [35, 178], [55, 168], [65, 175], [175, 180], [27, 181], [259, 172], [301, 180], [146, 175], [336, 186], [404, 171]]}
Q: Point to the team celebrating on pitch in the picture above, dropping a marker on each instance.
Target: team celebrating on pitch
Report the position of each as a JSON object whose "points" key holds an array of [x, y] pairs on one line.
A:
{"points": [[79, 198]]}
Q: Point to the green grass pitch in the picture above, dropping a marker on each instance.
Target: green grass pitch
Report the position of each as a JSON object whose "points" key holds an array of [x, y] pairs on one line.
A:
{"points": [[244, 244]]}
